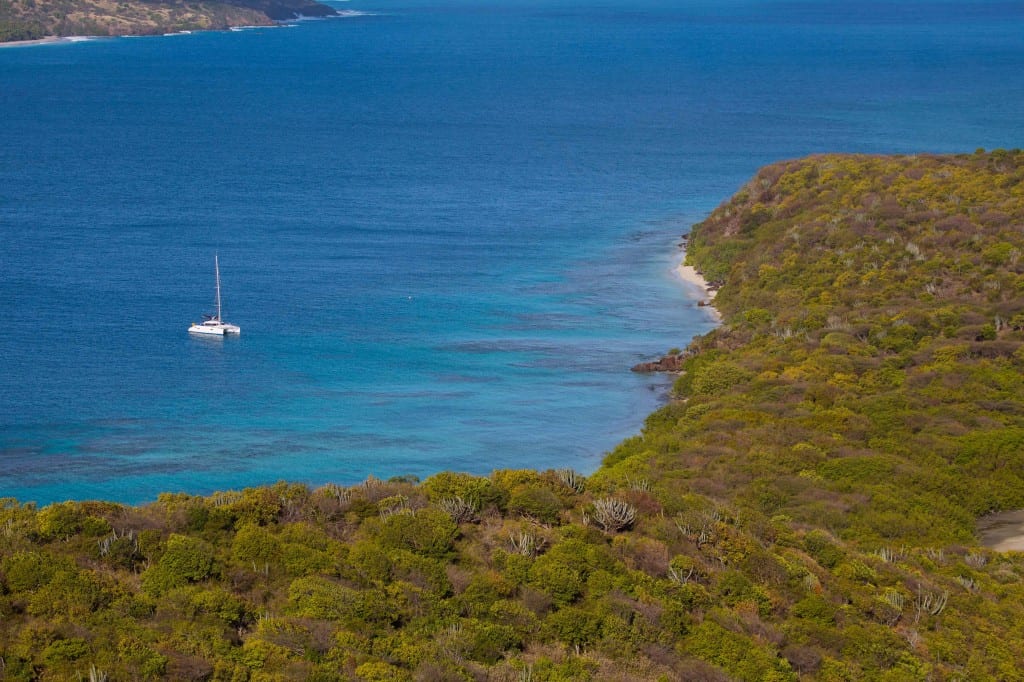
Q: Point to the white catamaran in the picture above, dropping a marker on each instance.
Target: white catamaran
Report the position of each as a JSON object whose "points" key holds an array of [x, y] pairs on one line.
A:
{"points": [[212, 324]]}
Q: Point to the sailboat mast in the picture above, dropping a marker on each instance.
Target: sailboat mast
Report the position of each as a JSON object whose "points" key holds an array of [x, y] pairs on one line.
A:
{"points": [[216, 269]]}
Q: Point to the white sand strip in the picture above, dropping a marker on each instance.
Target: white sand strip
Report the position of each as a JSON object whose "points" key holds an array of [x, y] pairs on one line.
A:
{"points": [[41, 41], [696, 281], [1003, 532]]}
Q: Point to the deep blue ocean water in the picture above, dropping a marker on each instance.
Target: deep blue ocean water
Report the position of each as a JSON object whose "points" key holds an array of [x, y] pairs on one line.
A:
{"points": [[446, 228]]}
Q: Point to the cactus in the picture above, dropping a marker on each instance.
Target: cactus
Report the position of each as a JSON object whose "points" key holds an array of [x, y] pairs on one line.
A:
{"points": [[107, 543], [526, 544], [396, 504], [976, 560], [461, 511], [699, 527], [891, 556], [341, 494], [678, 575], [894, 599], [897, 600], [613, 515], [572, 480], [223, 498], [930, 603], [969, 584], [640, 484]]}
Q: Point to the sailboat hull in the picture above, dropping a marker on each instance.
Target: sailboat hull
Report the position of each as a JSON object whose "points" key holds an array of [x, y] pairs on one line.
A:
{"points": [[214, 326], [206, 331], [217, 329]]}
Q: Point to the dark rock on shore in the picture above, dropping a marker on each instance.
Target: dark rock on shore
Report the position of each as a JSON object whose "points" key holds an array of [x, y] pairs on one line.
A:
{"points": [[673, 362]]}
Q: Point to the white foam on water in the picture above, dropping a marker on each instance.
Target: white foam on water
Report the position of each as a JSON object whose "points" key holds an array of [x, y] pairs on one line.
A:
{"points": [[341, 14]]}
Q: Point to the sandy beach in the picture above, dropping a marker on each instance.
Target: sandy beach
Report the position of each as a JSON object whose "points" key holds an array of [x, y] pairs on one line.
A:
{"points": [[1003, 532], [26, 43], [696, 281]]}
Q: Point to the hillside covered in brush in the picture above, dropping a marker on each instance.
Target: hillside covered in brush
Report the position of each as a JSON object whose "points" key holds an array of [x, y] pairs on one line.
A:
{"points": [[34, 19], [805, 507]]}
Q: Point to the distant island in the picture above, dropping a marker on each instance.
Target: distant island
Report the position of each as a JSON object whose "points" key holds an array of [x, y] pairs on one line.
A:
{"points": [[805, 507], [37, 19]]}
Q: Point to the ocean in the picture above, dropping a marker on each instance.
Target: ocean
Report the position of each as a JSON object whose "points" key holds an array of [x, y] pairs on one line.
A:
{"points": [[447, 229]]}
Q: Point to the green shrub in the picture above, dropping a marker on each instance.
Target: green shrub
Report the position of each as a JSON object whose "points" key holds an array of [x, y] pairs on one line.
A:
{"points": [[26, 571], [255, 544], [319, 597], [60, 520], [535, 502], [558, 577], [475, 490], [430, 532], [718, 377], [378, 671], [488, 643], [815, 607], [574, 626], [822, 547], [737, 654], [185, 560]]}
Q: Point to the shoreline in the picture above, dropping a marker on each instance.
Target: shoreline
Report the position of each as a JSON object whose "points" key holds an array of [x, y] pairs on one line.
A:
{"points": [[59, 40], [48, 40], [694, 280], [55, 40], [1003, 531]]}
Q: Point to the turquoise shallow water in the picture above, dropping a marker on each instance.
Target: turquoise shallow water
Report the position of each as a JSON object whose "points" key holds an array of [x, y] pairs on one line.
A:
{"points": [[447, 229]]}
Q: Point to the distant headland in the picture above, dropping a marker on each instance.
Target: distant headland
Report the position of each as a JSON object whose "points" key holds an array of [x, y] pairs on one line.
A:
{"points": [[25, 20]]}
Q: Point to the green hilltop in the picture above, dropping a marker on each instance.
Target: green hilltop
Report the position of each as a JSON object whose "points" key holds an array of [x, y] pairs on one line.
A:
{"points": [[804, 508]]}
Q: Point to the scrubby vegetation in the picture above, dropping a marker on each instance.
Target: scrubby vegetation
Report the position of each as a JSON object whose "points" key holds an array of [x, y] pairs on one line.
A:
{"points": [[804, 509]]}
